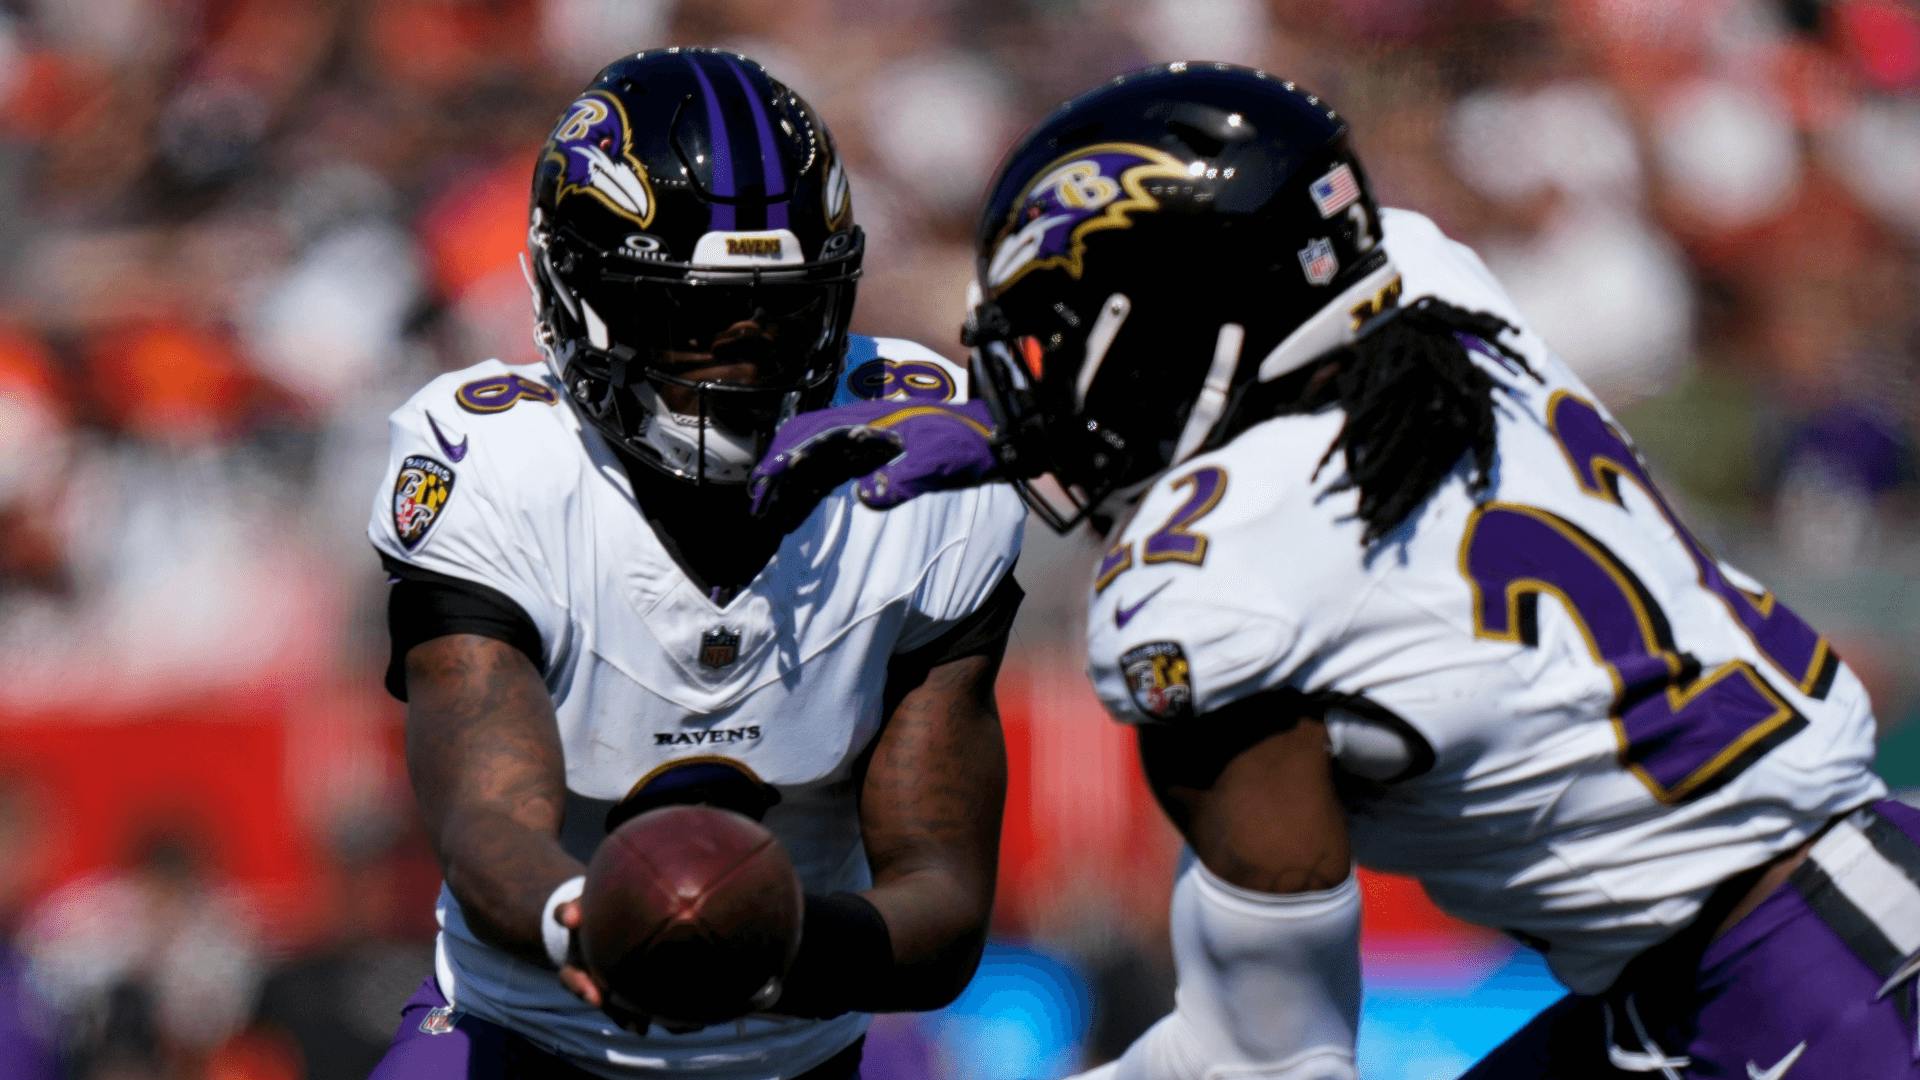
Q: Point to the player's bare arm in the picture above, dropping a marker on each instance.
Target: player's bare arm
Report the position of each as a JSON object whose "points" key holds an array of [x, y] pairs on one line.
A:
{"points": [[1251, 790], [930, 811], [483, 752]]}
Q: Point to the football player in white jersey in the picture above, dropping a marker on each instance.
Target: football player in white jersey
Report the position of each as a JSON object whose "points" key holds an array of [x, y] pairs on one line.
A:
{"points": [[1384, 582], [588, 623]]}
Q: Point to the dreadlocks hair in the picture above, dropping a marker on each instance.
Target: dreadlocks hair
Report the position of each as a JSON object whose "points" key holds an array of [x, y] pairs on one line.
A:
{"points": [[1415, 402]]}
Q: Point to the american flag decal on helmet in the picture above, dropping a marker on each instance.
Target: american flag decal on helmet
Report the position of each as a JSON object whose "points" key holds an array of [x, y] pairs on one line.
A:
{"points": [[1335, 191]]}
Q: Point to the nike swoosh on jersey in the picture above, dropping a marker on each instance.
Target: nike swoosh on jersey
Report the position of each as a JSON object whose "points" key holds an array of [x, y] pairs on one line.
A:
{"points": [[1779, 1069], [455, 451], [1124, 613]]}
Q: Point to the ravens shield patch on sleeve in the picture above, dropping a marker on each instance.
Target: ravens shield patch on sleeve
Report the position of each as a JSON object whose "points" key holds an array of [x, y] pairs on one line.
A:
{"points": [[1159, 680], [420, 495]]}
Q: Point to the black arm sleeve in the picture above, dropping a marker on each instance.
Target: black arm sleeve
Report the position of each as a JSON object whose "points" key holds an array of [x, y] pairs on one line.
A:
{"points": [[845, 951], [423, 605]]}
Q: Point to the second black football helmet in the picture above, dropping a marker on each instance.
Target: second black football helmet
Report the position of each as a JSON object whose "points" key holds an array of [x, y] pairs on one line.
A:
{"points": [[689, 210], [1149, 251]]}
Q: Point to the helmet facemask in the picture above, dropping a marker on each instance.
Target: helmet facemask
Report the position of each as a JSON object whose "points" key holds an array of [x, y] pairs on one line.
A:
{"points": [[1041, 427], [765, 343]]}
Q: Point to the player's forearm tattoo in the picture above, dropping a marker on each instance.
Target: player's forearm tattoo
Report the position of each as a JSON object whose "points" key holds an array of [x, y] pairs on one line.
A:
{"points": [[930, 810], [484, 755]]}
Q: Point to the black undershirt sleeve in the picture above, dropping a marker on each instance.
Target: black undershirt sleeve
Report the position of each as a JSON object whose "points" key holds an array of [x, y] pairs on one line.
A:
{"points": [[423, 605], [983, 633]]}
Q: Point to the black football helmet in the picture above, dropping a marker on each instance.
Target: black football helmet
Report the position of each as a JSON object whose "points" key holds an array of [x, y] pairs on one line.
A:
{"points": [[1149, 252], [690, 210]]}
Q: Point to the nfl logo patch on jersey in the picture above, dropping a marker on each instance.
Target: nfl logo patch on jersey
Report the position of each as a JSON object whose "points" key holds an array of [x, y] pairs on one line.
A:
{"points": [[1335, 191], [719, 647], [420, 495], [1158, 679], [438, 1021], [1319, 261]]}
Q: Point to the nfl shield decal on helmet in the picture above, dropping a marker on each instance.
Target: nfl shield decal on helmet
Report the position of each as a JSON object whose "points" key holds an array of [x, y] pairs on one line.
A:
{"points": [[420, 495], [719, 647], [1159, 680], [1319, 261]]}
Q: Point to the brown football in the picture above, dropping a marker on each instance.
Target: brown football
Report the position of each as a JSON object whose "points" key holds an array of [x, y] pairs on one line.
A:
{"points": [[690, 913]]}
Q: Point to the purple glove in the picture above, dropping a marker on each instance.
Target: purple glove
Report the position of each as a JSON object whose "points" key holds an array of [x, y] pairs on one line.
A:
{"points": [[899, 450]]}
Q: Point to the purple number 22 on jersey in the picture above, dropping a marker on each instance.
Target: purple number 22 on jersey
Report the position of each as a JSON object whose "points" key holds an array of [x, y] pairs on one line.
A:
{"points": [[1682, 731], [1174, 540], [1601, 457]]}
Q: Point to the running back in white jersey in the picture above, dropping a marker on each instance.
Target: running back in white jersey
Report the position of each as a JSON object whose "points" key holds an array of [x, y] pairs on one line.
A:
{"points": [[494, 480], [1556, 708]]}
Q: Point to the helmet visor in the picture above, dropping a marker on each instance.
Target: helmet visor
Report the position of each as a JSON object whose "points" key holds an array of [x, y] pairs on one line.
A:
{"points": [[783, 331]]}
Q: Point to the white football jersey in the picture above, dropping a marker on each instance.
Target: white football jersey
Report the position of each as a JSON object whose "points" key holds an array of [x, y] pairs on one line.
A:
{"points": [[1554, 707], [494, 479]]}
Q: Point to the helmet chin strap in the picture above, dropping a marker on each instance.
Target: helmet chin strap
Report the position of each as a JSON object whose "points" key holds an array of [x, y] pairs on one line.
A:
{"points": [[1113, 314], [1327, 329], [1212, 402]]}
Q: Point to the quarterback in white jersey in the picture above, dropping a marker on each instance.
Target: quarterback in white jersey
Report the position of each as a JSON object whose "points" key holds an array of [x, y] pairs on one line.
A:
{"points": [[1386, 583], [587, 623]]}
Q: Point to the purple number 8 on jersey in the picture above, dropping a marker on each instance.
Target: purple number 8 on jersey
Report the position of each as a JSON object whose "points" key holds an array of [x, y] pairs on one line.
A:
{"points": [[500, 393]]}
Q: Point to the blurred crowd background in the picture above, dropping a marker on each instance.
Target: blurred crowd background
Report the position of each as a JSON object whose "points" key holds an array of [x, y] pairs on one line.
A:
{"points": [[238, 232]]}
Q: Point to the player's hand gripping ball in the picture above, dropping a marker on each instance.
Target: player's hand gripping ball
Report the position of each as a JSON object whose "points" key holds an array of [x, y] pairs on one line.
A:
{"points": [[691, 915]]}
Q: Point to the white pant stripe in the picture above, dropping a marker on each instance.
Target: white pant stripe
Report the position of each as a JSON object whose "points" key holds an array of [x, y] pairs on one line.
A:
{"points": [[1880, 890]]}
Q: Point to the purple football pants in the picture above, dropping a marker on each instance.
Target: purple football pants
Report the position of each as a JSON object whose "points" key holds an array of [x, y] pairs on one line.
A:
{"points": [[1817, 983], [438, 1043]]}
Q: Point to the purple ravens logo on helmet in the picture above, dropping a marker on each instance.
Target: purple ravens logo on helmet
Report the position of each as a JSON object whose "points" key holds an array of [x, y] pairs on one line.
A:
{"points": [[1098, 187], [594, 147]]}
